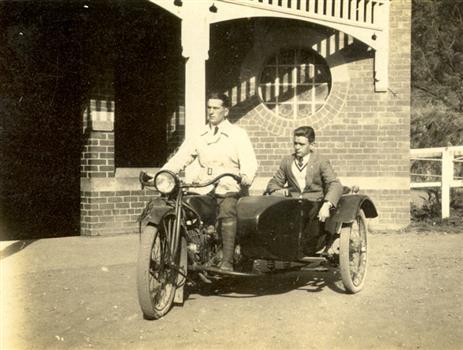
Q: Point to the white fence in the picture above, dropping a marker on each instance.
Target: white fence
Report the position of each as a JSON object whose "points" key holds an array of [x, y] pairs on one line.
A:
{"points": [[447, 179]]}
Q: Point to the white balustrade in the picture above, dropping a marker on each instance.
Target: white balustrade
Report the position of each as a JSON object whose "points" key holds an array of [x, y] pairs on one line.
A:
{"points": [[366, 13], [448, 156]]}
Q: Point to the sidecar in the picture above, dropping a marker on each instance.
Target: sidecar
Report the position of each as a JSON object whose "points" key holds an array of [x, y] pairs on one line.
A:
{"points": [[280, 228]]}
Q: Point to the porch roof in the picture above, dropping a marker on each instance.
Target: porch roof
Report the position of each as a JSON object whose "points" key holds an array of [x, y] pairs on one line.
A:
{"points": [[365, 20]]}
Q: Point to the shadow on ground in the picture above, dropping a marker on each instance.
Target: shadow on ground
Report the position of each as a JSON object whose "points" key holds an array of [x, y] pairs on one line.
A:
{"points": [[269, 284], [15, 247]]}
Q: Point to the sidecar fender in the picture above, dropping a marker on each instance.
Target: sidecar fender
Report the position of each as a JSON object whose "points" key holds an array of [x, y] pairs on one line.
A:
{"points": [[349, 206], [153, 212]]}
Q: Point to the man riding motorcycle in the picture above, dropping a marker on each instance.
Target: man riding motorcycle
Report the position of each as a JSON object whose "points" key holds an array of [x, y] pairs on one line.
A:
{"points": [[220, 147]]}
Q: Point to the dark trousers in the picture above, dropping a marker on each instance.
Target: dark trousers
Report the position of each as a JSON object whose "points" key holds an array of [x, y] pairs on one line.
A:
{"points": [[227, 207], [314, 235], [227, 217]]}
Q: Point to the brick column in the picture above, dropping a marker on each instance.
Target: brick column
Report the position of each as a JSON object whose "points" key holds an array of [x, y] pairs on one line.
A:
{"points": [[97, 162], [97, 155], [98, 145]]}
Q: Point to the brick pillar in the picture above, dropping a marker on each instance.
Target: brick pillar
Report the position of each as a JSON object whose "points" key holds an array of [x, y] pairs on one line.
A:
{"points": [[98, 145], [98, 154], [97, 162]]}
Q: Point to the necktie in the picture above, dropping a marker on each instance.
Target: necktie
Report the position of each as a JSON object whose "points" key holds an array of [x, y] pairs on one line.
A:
{"points": [[300, 163], [216, 130]]}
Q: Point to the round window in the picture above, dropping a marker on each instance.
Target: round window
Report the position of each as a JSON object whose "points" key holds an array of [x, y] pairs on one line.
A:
{"points": [[295, 83]]}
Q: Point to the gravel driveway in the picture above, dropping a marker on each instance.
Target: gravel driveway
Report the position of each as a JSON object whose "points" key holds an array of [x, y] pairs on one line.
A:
{"points": [[78, 292]]}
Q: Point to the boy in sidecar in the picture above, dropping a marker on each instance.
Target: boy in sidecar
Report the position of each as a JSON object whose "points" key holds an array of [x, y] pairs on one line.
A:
{"points": [[306, 174]]}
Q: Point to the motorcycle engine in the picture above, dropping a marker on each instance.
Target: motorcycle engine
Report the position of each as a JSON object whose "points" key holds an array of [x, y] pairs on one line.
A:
{"points": [[202, 243]]}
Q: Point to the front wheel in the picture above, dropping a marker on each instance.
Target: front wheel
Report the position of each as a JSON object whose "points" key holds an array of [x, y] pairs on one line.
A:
{"points": [[353, 254], [157, 268]]}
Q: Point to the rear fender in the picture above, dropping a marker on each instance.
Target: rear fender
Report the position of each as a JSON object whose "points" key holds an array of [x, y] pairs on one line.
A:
{"points": [[349, 206], [153, 212]]}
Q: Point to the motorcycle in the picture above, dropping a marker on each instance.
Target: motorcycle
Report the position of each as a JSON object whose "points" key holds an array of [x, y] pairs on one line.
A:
{"points": [[180, 239]]}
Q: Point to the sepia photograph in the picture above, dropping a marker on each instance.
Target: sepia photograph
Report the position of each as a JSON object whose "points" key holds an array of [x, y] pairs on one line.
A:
{"points": [[231, 174]]}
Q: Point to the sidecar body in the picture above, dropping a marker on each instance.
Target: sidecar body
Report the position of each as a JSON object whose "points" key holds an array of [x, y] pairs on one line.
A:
{"points": [[277, 228]]}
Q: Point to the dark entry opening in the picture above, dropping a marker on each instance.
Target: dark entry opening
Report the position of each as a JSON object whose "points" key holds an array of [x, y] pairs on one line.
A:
{"points": [[148, 85], [40, 108]]}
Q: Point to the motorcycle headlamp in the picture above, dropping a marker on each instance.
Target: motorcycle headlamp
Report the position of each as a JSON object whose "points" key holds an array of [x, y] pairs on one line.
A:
{"points": [[165, 182]]}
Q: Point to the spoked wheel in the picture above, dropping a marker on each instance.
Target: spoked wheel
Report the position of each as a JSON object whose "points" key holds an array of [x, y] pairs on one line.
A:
{"points": [[353, 254], [157, 268]]}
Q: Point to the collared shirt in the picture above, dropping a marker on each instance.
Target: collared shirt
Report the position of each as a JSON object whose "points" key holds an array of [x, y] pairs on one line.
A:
{"points": [[227, 151], [300, 172]]}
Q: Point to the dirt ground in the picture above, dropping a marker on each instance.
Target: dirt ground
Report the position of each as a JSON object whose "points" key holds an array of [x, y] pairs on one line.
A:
{"points": [[77, 293]]}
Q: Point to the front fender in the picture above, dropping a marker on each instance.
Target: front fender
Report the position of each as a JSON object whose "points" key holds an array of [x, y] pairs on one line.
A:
{"points": [[153, 212], [349, 205]]}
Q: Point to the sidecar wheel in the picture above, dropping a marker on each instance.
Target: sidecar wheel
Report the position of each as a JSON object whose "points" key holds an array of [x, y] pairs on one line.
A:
{"points": [[353, 254], [155, 278]]}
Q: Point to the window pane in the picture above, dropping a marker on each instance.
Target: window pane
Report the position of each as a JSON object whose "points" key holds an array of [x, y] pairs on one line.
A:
{"points": [[268, 92], [304, 75], [304, 93], [285, 75], [295, 83], [286, 92], [321, 74]]}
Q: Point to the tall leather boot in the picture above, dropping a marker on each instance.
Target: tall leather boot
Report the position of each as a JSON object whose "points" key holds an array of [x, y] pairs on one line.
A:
{"points": [[228, 243]]}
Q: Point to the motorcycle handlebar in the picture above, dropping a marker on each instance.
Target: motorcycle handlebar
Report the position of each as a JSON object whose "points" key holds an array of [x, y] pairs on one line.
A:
{"points": [[146, 180]]}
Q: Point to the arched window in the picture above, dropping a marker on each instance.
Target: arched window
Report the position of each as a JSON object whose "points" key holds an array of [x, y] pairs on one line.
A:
{"points": [[295, 83]]}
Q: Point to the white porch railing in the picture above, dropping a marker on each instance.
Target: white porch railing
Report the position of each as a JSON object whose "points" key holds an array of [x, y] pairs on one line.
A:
{"points": [[448, 156], [363, 13], [365, 20]]}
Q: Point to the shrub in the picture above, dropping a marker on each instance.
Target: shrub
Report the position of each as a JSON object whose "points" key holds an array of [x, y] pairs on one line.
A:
{"points": [[431, 209]]}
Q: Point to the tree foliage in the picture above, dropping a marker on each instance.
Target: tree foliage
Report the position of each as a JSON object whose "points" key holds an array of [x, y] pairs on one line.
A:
{"points": [[437, 73], [437, 92]]}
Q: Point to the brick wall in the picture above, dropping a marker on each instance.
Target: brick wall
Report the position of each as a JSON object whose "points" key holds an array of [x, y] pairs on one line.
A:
{"points": [[112, 212], [97, 154], [365, 134]]}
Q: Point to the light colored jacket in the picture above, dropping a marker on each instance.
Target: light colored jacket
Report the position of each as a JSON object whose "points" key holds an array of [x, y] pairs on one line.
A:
{"points": [[228, 151]]}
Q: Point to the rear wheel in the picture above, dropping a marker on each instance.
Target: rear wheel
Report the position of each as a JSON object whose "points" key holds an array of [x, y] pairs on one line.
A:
{"points": [[353, 254], [157, 268]]}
